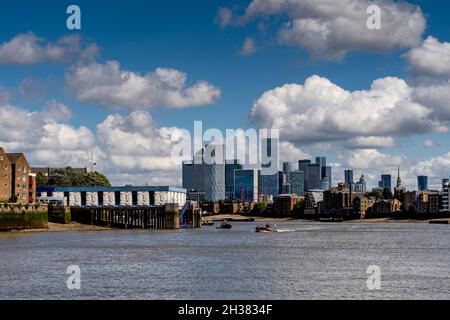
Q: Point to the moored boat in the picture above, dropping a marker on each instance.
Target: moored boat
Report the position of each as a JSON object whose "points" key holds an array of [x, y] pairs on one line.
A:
{"points": [[224, 225]]}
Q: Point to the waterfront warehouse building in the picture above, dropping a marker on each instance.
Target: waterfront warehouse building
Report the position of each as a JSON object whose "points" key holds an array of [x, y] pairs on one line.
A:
{"points": [[5, 176], [128, 196], [246, 184], [20, 171]]}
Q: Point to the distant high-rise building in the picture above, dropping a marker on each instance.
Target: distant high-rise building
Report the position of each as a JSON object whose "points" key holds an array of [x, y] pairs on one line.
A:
{"points": [[203, 177], [246, 184], [325, 184], [215, 174], [326, 174], [269, 185], [314, 176], [303, 166], [187, 174], [349, 178], [270, 156], [286, 188], [385, 182], [296, 182], [361, 186], [422, 182], [230, 166], [287, 169], [322, 161]]}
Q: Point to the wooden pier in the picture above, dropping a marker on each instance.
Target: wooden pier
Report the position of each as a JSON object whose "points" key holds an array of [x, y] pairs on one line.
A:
{"points": [[151, 217]]}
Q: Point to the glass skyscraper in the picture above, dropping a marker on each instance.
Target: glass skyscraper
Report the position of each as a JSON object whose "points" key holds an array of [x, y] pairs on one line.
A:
{"points": [[230, 166], [314, 176], [303, 166], [297, 182], [386, 182], [246, 184], [422, 183], [348, 178]]}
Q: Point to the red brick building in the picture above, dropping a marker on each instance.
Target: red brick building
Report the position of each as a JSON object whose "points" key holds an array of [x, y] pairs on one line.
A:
{"points": [[5, 176], [20, 170]]}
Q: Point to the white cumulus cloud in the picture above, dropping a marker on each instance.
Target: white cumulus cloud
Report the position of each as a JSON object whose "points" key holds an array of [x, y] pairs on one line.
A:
{"points": [[113, 87], [330, 29]]}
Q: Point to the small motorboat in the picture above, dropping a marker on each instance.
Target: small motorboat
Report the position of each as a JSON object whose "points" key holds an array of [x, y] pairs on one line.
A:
{"points": [[224, 225], [267, 228], [207, 223]]}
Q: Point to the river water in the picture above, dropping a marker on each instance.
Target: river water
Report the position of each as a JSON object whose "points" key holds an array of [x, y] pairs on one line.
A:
{"points": [[308, 261]]}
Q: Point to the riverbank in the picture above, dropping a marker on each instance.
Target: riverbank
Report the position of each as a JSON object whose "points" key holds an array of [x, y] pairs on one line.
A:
{"points": [[241, 218], [57, 227]]}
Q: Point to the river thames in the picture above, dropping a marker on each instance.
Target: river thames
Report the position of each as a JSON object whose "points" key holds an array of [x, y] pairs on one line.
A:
{"points": [[308, 261]]}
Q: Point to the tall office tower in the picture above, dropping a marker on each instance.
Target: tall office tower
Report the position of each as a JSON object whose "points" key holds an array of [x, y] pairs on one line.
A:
{"points": [[287, 169], [422, 182], [297, 182], [270, 150], [303, 166], [286, 189], [269, 185], [325, 184], [314, 176], [282, 180], [215, 173], [193, 173], [230, 166], [322, 161], [246, 184], [386, 182], [349, 178], [187, 174], [326, 173], [361, 186]]}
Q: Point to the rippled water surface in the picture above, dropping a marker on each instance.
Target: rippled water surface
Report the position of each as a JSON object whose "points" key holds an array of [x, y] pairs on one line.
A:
{"points": [[310, 261]]}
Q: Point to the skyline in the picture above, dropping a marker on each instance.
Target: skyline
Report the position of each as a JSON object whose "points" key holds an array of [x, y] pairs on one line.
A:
{"points": [[119, 89]]}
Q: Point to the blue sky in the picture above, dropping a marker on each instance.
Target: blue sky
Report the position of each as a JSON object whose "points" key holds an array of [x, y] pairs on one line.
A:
{"points": [[184, 35]]}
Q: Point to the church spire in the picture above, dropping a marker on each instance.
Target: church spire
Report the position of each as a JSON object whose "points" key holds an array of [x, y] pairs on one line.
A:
{"points": [[399, 180]]}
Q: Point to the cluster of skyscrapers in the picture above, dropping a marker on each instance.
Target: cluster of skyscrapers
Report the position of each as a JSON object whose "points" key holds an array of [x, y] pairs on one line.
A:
{"points": [[230, 180]]}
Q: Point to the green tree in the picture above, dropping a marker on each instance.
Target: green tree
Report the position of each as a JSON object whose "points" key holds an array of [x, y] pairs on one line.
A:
{"points": [[376, 193], [259, 208], [72, 178], [41, 180]]}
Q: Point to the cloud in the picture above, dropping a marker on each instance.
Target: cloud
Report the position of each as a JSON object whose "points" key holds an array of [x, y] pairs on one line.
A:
{"points": [[27, 48], [319, 111], [248, 48], [430, 143], [290, 152], [44, 139], [5, 96], [31, 89], [113, 87], [134, 144], [224, 17], [370, 142], [436, 168], [330, 30], [432, 58]]}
